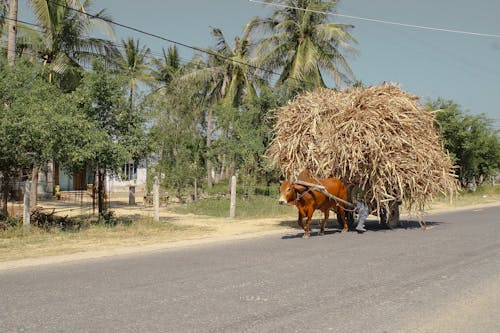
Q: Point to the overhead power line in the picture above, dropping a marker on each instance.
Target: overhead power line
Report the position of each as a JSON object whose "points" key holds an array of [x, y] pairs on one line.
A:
{"points": [[115, 44], [463, 32], [24, 22], [168, 39]]}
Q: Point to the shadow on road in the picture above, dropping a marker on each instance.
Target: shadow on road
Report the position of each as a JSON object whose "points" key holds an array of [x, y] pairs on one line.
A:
{"points": [[413, 224], [313, 234], [370, 225]]}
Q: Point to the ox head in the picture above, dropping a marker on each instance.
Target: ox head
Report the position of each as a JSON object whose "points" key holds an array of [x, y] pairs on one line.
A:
{"points": [[288, 193]]}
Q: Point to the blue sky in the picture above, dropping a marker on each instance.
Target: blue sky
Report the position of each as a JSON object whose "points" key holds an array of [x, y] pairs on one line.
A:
{"points": [[430, 64]]}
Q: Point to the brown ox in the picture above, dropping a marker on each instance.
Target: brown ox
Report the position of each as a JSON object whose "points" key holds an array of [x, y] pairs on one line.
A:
{"points": [[308, 200]]}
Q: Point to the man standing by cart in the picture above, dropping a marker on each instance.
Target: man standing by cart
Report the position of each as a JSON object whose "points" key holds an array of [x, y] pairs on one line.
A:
{"points": [[358, 198]]}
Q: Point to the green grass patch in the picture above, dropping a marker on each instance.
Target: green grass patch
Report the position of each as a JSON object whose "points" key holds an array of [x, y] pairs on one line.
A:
{"points": [[254, 206], [222, 189]]}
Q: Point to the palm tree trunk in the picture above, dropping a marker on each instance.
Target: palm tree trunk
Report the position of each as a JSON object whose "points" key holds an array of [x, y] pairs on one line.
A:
{"points": [[209, 142], [12, 33], [11, 59], [131, 101]]}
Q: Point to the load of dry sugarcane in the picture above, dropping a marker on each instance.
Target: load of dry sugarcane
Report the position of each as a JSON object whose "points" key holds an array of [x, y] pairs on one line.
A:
{"points": [[377, 136]]}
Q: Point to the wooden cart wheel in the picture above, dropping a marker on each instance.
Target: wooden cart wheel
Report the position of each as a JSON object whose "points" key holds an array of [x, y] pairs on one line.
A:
{"points": [[393, 221]]}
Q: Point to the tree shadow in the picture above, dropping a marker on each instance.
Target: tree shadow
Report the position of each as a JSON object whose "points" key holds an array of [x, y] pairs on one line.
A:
{"points": [[133, 217]]}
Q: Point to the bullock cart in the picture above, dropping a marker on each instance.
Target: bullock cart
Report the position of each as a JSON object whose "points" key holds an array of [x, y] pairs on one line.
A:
{"points": [[390, 220], [377, 137]]}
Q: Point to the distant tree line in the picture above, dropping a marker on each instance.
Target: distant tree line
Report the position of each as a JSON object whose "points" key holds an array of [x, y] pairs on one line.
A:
{"points": [[471, 140]]}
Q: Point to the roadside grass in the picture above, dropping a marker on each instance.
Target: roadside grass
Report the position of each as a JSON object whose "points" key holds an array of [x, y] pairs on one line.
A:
{"points": [[485, 194], [254, 206], [252, 201], [18, 242]]}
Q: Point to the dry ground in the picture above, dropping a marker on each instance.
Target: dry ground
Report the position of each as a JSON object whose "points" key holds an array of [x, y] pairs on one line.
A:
{"points": [[187, 230]]}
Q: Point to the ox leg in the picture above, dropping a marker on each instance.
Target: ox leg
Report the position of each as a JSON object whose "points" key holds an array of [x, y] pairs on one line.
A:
{"points": [[323, 223], [307, 226], [300, 221], [343, 218]]}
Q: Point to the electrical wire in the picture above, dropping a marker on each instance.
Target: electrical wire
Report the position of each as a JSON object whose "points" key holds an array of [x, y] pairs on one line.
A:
{"points": [[378, 20], [23, 22], [198, 49], [151, 55]]}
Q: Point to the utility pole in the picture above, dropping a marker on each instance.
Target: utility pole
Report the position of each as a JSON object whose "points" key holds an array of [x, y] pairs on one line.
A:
{"points": [[12, 33]]}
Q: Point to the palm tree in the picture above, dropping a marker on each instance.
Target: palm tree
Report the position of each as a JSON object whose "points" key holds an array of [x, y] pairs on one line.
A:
{"points": [[134, 66], [227, 71], [227, 77], [167, 68], [303, 44], [66, 44]]}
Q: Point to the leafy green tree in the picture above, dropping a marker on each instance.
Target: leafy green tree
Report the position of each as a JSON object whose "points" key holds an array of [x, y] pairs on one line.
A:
{"points": [[178, 132], [65, 44], [119, 130], [244, 134], [472, 142], [38, 123], [303, 44]]}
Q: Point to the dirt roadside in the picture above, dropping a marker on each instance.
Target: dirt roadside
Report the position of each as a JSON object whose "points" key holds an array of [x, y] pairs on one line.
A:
{"points": [[213, 230]]}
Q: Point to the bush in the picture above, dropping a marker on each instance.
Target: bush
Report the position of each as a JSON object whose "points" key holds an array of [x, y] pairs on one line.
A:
{"points": [[108, 218], [48, 221], [8, 222]]}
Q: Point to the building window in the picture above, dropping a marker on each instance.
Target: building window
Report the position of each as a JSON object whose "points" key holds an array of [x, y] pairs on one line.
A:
{"points": [[129, 171]]}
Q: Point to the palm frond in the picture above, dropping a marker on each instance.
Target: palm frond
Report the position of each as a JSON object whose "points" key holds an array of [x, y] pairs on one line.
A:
{"points": [[61, 63], [42, 13], [101, 23], [221, 45]]}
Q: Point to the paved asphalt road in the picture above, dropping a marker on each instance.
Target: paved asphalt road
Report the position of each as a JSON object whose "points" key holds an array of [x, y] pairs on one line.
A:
{"points": [[446, 279]]}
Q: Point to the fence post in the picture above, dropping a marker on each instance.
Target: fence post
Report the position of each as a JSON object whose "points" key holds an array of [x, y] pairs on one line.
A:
{"points": [[232, 209], [26, 213], [131, 195], [156, 199]]}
